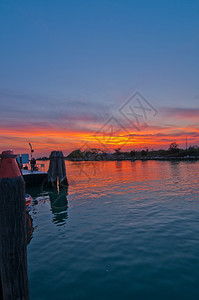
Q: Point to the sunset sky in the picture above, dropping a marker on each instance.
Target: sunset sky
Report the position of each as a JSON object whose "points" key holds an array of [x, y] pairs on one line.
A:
{"points": [[98, 73]]}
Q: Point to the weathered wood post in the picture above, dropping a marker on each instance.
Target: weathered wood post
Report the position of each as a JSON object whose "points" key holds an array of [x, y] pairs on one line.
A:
{"points": [[13, 254], [61, 169], [57, 170], [1, 292], [52, 172]]}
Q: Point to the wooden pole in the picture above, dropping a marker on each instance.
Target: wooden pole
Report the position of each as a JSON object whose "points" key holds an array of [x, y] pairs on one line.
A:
{"points": [[61, 169], [13, 253], [57, 170], [52, 172], [1, 292]]}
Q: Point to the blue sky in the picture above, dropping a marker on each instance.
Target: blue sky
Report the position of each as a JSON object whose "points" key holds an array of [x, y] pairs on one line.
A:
{"points": [[71, 58]]}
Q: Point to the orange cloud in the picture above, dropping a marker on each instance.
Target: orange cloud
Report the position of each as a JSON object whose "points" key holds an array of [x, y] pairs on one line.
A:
{"points": [[44, 140], [69, 127]]}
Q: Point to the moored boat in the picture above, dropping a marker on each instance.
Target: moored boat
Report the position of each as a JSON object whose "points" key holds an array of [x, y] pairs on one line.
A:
{"points": [[34, 178]]}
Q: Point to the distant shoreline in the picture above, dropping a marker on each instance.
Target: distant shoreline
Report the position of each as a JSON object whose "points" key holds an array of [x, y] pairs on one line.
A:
{"points": [[140, 159], [172, 154], [135, 159]]}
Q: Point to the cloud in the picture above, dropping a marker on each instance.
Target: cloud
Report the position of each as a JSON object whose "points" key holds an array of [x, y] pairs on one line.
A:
{"points": [[24, 111], [65, 123], [181, 113]]}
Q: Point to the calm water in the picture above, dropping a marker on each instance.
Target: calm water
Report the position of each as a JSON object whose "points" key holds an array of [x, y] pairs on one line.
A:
{"points": [[128, 230]]}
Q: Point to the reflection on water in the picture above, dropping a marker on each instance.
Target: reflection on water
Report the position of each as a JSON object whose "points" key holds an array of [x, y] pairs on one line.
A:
{"points": [[57, 200], [29, 227], [59, 205]]}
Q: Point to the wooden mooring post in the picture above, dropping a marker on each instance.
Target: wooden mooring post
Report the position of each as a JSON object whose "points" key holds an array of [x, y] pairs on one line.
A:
{"points": [[57, 170], [13, 253]]}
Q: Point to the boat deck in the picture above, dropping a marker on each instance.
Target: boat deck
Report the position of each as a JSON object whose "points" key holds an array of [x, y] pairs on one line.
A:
{"points": [[35, 178], [29, 172]]}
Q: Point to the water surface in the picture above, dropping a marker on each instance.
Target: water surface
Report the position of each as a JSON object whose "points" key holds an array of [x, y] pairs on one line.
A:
{"points": [[126, 230]]}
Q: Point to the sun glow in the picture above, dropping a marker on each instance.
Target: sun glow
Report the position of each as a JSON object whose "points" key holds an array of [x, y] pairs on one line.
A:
{"points": [[47, 139]]}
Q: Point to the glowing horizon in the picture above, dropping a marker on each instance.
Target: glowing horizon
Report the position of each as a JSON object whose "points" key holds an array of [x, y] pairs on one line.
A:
{"points": [[46, 139]]}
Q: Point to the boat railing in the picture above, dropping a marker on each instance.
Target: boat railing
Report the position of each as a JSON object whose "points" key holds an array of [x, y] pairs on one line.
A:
{"points": [[38, 167]]}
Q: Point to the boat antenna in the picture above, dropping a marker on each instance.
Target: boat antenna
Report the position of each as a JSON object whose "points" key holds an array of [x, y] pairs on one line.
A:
{"points": [[31, 150]]}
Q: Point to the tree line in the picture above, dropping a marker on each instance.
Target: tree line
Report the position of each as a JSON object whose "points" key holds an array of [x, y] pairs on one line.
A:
{"points": [[173, 151]]}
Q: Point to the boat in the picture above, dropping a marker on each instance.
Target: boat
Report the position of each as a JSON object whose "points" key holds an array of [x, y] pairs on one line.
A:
{"points": [[34, 178], [34, 174]]}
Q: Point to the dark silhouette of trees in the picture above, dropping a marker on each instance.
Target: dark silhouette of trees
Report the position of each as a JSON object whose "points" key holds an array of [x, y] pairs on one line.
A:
{"points": [[173, 148], [173, 152]]}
